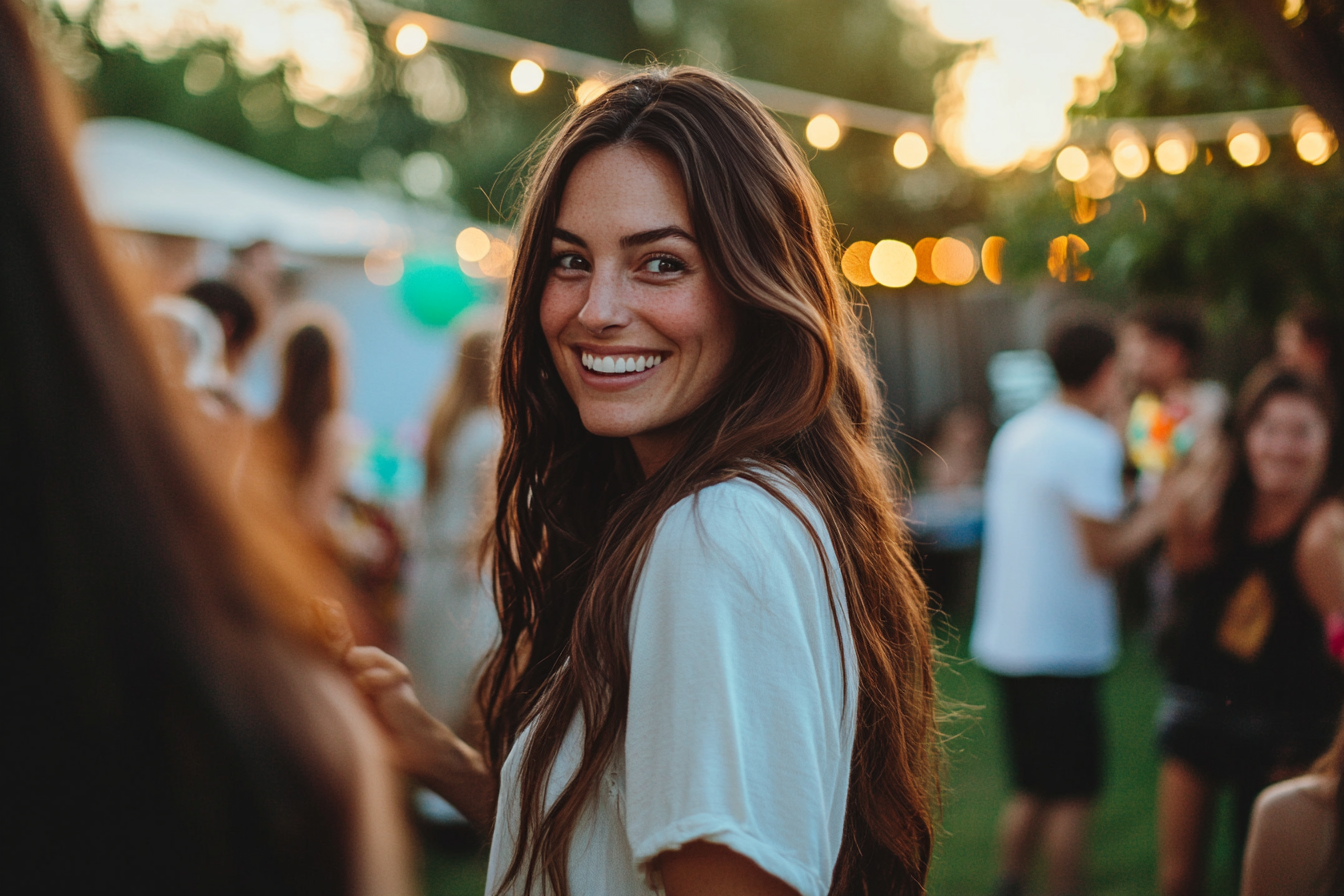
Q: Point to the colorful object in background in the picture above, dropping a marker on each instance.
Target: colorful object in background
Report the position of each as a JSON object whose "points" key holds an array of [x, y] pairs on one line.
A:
{"points": [[435, 292], [1158, 434]]}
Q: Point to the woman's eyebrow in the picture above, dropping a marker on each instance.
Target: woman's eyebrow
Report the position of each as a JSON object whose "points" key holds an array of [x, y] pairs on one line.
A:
{"points": [[652, 236], [560, 233]]}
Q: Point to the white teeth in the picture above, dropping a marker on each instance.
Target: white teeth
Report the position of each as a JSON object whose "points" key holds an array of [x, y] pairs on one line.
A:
{"points": [[611, 364]]}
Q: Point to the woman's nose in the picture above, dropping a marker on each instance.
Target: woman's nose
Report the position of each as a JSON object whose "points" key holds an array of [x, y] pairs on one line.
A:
{"points": [[606, 304]]}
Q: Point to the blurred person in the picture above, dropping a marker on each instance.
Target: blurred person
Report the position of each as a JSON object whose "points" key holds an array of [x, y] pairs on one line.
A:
{"points": [[715, 670], [1257, 544], [450, 622], [1045, 619], [1294, 845], [309, 433], [1172, 412], [170, 727], [1310, 341], [240, 325]]}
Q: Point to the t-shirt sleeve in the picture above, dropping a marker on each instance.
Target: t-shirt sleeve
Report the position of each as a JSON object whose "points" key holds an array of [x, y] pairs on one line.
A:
{"points": [[737, 723], [1090, 471]]}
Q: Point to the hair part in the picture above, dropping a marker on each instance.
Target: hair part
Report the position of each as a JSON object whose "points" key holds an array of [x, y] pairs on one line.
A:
{"points": [[575, 515]]}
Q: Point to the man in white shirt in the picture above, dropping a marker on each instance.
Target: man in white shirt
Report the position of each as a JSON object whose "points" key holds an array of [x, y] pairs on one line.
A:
{"points": [[1046, 620]]}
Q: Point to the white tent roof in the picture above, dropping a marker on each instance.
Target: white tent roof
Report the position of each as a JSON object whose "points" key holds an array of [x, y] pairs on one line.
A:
{"points": [[144, 176]]}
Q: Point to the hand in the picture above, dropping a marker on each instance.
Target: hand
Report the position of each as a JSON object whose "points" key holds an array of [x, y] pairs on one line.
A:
{"points": [[425, 747], [385, 680]]}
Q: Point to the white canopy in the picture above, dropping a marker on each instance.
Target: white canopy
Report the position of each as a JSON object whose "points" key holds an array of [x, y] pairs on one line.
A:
{"points": [[143, 176]]}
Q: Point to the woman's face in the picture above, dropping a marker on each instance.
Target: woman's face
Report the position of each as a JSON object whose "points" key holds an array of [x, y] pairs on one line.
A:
{"points": [[640, 332], [1288, 446]]}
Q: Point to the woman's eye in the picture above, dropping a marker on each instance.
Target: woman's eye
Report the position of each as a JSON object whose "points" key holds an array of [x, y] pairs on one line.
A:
{"points": [[663, 265], [570, 262]]}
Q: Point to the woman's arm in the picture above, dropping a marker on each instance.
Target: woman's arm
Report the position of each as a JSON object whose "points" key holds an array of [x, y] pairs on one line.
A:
{"points": [[1290, 840], [701, 868], [427, 748], [1320, 558]]}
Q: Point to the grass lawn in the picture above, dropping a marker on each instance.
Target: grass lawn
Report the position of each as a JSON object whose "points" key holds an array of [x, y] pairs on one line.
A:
{"points": [[1124, 854]]}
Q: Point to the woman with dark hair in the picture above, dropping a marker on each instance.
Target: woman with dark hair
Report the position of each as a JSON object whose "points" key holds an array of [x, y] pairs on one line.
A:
{"points": [[170, 727], [1253, 693], [450, 623], [715, 672]]}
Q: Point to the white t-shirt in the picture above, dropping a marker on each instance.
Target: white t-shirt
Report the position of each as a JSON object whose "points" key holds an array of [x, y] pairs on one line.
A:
{"points": [[742, 705], [1042, 609]]}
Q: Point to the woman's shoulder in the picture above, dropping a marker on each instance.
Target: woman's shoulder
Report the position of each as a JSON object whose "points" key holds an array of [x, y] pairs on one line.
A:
{"points": [[1325, 524], [762, 516]]}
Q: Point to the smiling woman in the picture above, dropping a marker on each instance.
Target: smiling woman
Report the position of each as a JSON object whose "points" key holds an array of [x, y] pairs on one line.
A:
{"points": [[715, 672]]}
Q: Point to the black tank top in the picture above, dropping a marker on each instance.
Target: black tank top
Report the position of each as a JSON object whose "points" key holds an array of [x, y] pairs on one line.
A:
{"points": [[1245, 632]]}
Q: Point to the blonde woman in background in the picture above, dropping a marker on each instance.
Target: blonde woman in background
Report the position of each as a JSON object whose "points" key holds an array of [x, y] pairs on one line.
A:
{"points": [[450, 622]]}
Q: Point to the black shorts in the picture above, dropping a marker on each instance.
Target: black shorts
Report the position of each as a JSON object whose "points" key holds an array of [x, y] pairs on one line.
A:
{"points": [[1054, 734]]}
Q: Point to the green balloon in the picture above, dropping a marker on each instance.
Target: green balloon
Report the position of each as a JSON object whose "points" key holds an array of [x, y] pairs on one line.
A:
{"points": [[435, 292]]}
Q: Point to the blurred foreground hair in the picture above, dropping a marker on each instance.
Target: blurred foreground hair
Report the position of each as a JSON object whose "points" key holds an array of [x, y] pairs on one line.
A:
{"points": [[576, 516], [166, 733]]}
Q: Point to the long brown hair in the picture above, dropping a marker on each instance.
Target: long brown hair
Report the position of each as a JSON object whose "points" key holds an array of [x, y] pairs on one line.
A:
{"points": [[164, 723], [575, 515], [469, 389], [308, 393]]}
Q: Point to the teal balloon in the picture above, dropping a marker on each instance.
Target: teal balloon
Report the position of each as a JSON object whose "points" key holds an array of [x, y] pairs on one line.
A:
{"points": [[435, 292]]}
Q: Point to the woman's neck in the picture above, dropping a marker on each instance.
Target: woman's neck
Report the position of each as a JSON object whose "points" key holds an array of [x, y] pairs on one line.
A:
{"points": [[1274, 514]]}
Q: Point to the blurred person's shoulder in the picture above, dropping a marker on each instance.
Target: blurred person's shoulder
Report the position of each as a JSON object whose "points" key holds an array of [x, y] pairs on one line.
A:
{"points": [[1291, 837]]}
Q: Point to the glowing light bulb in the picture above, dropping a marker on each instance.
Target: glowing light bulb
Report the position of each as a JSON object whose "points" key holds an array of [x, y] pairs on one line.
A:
{"points": [[855, 264], [588, 90], [991, 259], [1072, 164], [1315, 147], [410, 39], [1172, 155], [823, 131], [1130, 157], [924, 260], [910, 150], [953, 261], [473, 244], [384, 267], [893, 263], [526, 76]]}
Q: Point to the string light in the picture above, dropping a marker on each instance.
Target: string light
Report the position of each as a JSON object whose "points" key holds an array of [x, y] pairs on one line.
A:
{"points": [[924, 260], [1246, 144], [991, 259], [473, 244], [588, 90], [893, 263], [410, 39], [855, 264], [953, 261], [910, 150], [1315, 143], [1072, 164], [1129, 154], [1175, 150], [823, 131], [526, 76]]}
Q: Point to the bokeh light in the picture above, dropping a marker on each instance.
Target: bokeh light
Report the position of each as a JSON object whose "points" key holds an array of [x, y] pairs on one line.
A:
{"points": [[1006, 101], [321, 44], [911, 150], [1072, 164], [384, 267], [1314, 141], [410, 39], [1100, 180], [924, 260], [1129, 152], [953, 261], [854, 264], [1247, 144], [1064, 260], [435, 293], [991, 259], [498, 262], [823, 131], [526, 76], [1175, 151], [473, 244], [588, 90], [893, 263]]}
